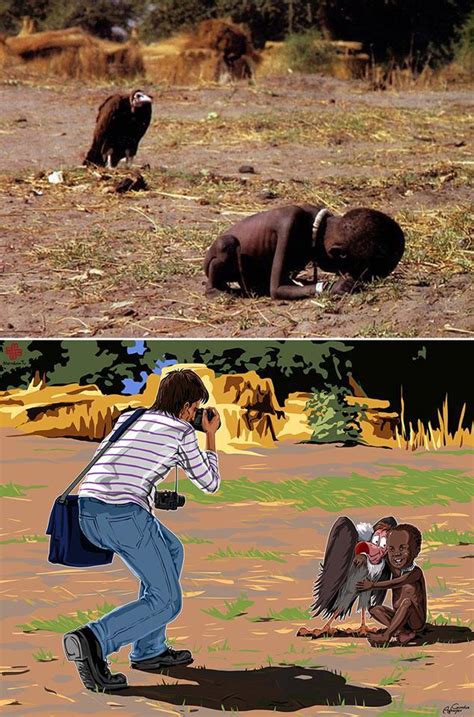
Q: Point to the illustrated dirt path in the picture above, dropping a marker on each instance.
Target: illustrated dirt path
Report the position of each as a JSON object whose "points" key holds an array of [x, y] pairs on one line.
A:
{"points": [[81, 260], [251, 663]]}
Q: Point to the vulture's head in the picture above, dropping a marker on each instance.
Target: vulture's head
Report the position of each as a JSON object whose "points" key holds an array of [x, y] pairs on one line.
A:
{"points": [[139, 98], [376, 547]]}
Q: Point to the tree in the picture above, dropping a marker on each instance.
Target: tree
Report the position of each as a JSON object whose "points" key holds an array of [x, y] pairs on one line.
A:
{"points": [[168, 16], [404, 29], [11, 12], [270, 19], [332, 419], [20, 360]]}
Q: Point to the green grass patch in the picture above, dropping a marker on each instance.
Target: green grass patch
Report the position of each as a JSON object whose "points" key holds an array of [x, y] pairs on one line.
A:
{"points": [[346, 649], [446, 620], [219, 647], [233, 608], [44, 656], [428, 564], [398, 709], [288, 613], [412, 657], [411, 487], [26, 539], [191, 540], [448, 537], [64, 623], [251, 553], [395, 677], [15, 490]]}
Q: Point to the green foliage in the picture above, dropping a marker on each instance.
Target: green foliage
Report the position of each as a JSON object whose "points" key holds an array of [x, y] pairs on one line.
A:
{"points": [[464, 47], [448, 537], [11, 12], [14, 490], [308, 52], [44, 656], [251, 553], [287, 613], [398, 709], [400, 29], [26, 539], [168, 16], [404, 486], [63, 623], [20, 360], [99, 16], [219, 647], [233, 608], [332, 419], [269, 19]]}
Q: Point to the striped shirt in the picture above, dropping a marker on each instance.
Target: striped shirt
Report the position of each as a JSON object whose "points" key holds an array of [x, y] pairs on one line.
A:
{"points": [[144, 455]]}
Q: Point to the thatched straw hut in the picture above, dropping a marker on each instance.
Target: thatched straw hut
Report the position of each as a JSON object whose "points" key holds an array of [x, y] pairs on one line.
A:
{"points": [[73, 53], [217, 51]]}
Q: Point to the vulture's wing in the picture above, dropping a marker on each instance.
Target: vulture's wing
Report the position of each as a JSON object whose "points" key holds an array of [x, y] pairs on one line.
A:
{"points": [[110, 117], [333, 570], [378, 596]]}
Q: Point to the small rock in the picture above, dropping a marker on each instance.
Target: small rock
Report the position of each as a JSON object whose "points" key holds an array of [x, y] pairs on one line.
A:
{"points": [[267, 194], [56, 177], [131, 184], [204, 202], [246, 169]]}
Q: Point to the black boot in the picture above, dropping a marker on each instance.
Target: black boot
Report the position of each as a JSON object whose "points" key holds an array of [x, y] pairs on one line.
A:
{"points": [[82, 647], [168, 658]]}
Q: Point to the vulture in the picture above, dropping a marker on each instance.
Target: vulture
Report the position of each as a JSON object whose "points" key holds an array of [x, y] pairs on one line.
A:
{"points": [[335, 589], [121, 122]]}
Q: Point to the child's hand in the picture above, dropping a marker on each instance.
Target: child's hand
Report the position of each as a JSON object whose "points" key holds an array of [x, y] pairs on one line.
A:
{"points": [[365, 585]]}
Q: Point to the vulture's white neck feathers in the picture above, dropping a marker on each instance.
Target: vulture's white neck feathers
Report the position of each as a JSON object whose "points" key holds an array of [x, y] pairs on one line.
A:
{"points": [[364, 531]]}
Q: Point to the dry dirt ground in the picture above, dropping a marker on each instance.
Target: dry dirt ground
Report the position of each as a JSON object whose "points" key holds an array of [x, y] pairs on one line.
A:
{"points": [[240, 664], [81, 260]]}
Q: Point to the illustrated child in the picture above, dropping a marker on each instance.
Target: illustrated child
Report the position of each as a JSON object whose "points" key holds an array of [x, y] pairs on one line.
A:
{"points": [[408, 615]]}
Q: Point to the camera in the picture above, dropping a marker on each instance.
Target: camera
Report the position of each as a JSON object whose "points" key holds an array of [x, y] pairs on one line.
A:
{"points": [[198, 416], [169, 500]]}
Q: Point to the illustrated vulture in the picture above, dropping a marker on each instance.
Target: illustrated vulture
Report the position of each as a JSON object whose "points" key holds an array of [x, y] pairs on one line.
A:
{"points": [[121, 122], [353, 553]]}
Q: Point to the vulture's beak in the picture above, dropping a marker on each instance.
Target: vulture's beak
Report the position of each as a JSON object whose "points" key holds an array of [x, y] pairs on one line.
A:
{"points": [[375, 552]]}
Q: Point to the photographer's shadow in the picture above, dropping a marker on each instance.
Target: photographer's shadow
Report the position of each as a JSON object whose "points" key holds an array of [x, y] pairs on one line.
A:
{"points": [[279, 688]]}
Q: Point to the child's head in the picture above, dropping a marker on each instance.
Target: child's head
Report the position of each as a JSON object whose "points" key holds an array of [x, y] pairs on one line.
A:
{"points": [[403, 545], [363, 243]]}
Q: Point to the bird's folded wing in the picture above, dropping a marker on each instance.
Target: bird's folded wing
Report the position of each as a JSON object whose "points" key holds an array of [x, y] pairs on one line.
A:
{"points": [[333, 570]]}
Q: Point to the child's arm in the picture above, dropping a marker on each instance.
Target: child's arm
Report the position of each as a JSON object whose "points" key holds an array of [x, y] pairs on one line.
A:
{"points": [[407, 579]]}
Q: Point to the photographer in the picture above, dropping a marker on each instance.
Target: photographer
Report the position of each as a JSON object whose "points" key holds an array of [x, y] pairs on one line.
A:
{"points": [[116, 501]]}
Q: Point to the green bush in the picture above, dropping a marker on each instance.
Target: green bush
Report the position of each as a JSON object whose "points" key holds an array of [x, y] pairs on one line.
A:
{"points": [[332, 419], [308, 52], [464, 48]]}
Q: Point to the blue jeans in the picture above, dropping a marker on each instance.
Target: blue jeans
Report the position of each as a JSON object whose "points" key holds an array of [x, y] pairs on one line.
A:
{"points": [[155, 555]]}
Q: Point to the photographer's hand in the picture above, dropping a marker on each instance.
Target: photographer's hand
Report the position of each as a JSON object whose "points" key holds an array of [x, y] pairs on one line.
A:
{"points": [[210, 427]]}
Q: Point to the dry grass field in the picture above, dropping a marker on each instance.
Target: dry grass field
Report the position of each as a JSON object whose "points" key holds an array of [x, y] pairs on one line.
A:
{"points": [[81, 260]]}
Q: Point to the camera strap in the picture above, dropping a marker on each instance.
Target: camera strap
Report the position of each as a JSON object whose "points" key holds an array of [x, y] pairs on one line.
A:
{"points": [[176, 479], [112, 438]]}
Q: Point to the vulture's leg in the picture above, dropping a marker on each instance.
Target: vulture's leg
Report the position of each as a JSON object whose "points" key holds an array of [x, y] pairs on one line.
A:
{"points": [[109, 164], [128, 158], [364, 629], [324, 630]]}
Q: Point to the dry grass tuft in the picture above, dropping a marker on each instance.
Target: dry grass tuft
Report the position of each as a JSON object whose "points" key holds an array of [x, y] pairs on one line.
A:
{"points": [[432, 439]]}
